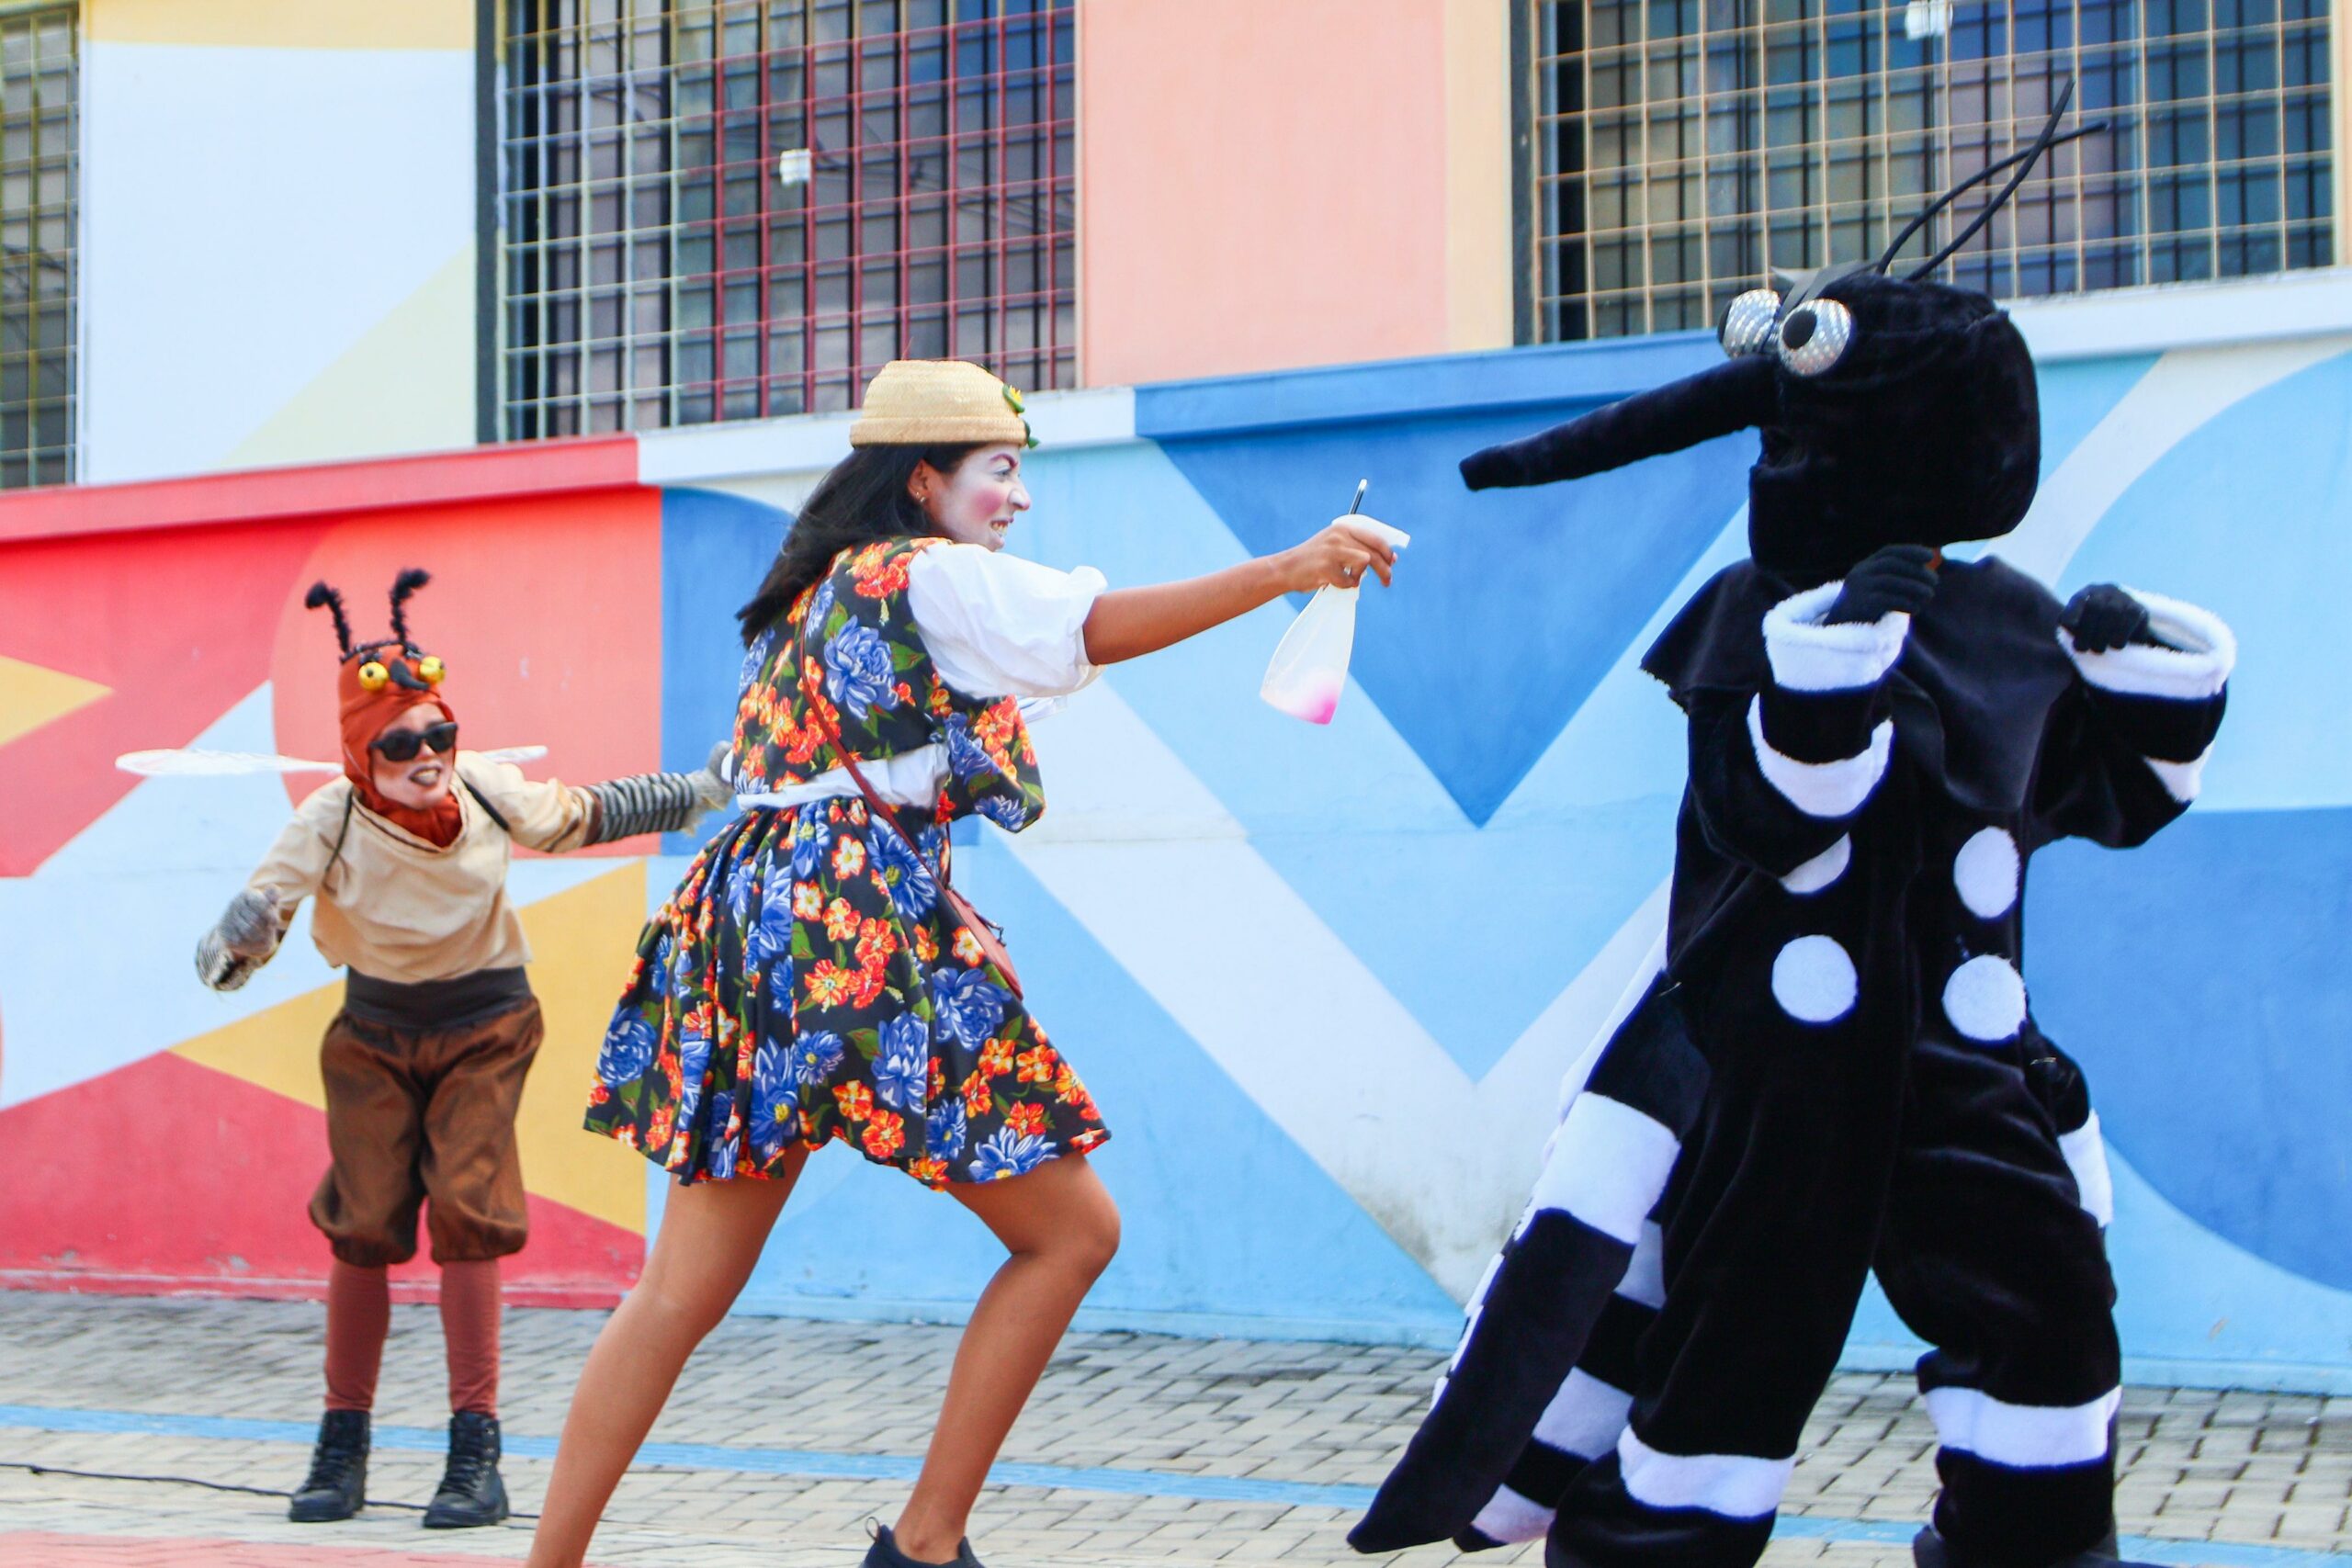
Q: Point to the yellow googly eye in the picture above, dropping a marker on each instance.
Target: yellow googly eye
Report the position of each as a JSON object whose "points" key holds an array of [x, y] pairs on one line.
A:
{"points": [[374, 677], [429, 669]]}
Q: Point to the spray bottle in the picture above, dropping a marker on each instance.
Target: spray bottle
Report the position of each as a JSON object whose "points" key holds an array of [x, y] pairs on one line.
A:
{"points": [[1310, 667]]}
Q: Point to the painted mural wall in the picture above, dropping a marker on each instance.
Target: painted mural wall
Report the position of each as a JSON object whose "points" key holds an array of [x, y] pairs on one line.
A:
{"points": [[1323, 981], [247, 163]]}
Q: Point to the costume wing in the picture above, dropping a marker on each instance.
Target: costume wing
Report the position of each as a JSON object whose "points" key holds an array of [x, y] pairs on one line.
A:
{"points": [[191, 763]]}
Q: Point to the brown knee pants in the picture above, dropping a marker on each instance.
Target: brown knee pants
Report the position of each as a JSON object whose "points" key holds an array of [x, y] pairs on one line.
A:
{"points": [[413, 1114]]}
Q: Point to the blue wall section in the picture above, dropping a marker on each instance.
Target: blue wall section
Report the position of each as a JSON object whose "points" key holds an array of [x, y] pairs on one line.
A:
{"points": [[2204, 982], [715, 549], [1493, 803]]}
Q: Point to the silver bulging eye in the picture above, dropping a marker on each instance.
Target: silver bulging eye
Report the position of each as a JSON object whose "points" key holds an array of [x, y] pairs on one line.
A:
{"points": [[1748, 326], [1816, 336]]}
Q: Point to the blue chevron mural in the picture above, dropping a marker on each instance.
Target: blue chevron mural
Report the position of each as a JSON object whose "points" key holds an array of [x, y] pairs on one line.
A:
{"points": [[1326, 979]]}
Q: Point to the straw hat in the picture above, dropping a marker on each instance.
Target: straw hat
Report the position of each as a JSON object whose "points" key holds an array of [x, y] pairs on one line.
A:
{"points": [[919, 402]]}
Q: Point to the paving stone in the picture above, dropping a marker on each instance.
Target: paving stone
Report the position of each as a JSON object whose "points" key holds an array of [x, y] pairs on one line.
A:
{"points": [[2247, 1468]]}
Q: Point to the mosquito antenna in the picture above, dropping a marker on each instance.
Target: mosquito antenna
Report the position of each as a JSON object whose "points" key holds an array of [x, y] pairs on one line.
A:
{"points": [[2025, 162], [320, 593], [1987, 172], [406, 584]]}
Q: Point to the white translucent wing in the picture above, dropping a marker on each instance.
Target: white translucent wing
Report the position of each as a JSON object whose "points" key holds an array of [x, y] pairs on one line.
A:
{"points": [[192, 764], [202, 765]]}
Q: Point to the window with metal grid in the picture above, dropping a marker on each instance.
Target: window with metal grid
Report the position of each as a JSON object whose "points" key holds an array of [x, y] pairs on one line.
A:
{"points": [[1683, 146], [38, 170], [745, 207]]}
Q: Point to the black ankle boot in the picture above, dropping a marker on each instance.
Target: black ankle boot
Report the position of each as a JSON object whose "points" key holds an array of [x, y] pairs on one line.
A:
{"points": [[338, 1486], [1929, 1551], [472, 1494]]}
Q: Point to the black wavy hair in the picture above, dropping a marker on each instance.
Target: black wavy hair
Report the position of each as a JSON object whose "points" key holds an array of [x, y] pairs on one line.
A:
{"points": [[862, 498]]}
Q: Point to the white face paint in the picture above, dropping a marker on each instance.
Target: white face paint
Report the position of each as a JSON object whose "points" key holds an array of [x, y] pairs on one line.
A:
{"points": [[977, 503]]}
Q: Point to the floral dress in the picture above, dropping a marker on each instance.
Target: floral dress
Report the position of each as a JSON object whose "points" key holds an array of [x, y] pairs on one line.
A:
{"points": [[806, 982]]}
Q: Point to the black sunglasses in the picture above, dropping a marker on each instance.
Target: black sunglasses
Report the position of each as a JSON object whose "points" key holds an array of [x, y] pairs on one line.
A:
{"points": [[402, 745]]}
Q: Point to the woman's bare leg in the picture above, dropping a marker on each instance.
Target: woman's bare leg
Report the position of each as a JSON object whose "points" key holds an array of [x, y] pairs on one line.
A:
{"points": [[710, 1238], [1061, 1226]]}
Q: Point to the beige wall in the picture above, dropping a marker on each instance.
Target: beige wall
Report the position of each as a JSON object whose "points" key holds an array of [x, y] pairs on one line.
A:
{"points": [[1274, 183]]}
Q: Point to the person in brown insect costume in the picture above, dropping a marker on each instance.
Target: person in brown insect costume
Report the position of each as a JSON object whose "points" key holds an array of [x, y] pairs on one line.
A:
{"points": [[405, 856]]}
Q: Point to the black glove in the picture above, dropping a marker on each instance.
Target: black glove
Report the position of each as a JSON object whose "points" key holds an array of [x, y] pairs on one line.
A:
{"points": [[1899, 577], [2102, 617]]}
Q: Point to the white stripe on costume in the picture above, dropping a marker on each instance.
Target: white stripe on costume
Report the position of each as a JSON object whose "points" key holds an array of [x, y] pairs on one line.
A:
{"points": [[2182, 780], [1585, 1417], [1811, 655], [1823, 789], [1510, 1518], [2194, 664], [2086, 1153], [1607, 1167], [1737, 1487], [1645, 1279], [2022, 1435]]}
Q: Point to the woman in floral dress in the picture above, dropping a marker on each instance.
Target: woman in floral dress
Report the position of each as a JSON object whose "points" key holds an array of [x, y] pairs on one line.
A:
{"points": [[809, 980]]}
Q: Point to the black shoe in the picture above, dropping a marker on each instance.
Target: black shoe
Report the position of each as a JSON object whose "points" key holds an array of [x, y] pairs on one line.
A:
{"points": [[1929, 1551], [338, 1486], [472, 1494], [885, 1553]]}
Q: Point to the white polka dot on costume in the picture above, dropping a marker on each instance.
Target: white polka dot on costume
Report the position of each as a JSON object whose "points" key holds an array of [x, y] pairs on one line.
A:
{"points": [[1814, 981], [1985, 1000], [1986, 872], [1822, 869]]}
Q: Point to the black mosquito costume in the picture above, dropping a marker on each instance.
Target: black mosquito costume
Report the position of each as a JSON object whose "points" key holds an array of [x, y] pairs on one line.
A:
{"points": [[1837, 1069]]}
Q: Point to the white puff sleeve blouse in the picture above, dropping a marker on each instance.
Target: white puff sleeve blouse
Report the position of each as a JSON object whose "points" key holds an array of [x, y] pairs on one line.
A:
{"points": [[997, 625]]}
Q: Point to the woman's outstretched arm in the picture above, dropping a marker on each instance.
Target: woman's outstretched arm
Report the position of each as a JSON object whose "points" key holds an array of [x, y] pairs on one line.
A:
{"points": [[1127, 623]]}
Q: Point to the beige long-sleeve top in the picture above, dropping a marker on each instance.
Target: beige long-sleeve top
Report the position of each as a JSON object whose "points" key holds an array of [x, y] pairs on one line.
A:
{"points": [[391, 905]]}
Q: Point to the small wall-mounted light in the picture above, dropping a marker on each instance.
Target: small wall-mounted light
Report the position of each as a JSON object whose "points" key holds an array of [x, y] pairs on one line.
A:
{"points": [[793, 165], [1928, 19]]}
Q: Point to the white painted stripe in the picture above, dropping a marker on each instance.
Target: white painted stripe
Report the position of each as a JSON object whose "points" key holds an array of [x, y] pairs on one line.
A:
{"points": [[1510, 1518], [1809, 655], [2086, 1153], [1737, 1487], [1823, 789], [2182, 780], [1607, 1166], [2181, 392], [2153, 317], [1645, 1279], [1288, 986], [808, 443], [1585, 1417], [2021, 1436]]}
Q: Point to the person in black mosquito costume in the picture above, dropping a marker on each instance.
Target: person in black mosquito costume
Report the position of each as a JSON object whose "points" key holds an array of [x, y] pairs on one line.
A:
{"points": [[1836, 1070]]}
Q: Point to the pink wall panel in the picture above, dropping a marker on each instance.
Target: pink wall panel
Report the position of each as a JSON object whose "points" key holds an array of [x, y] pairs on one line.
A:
{"points": [[1260, 186]]}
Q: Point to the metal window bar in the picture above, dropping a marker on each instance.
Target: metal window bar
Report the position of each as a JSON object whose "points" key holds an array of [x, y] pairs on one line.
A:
{"points": [[1683, 146], [659, 271], [39, 171]]}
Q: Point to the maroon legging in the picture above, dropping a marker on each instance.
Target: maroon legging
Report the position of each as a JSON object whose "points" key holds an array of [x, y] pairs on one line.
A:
{"points": [[359, 1314]]}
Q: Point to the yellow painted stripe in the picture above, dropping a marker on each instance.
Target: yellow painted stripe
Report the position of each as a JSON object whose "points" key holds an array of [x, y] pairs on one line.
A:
{"points": [[285, 24], [581, 940], [32, 696]]}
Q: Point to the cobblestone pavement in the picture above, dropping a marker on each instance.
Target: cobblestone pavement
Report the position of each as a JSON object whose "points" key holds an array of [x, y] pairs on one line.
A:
{"points": [[785, 1435]]}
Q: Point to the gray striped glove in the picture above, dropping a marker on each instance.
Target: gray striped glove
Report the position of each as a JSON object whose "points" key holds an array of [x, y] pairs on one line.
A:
{"points": [[659, 803], [239, 943]]}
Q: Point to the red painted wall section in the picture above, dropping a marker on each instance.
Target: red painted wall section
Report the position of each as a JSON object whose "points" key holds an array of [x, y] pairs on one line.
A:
{"points": [[546, 609], [223, 1171], [177, 625]]}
